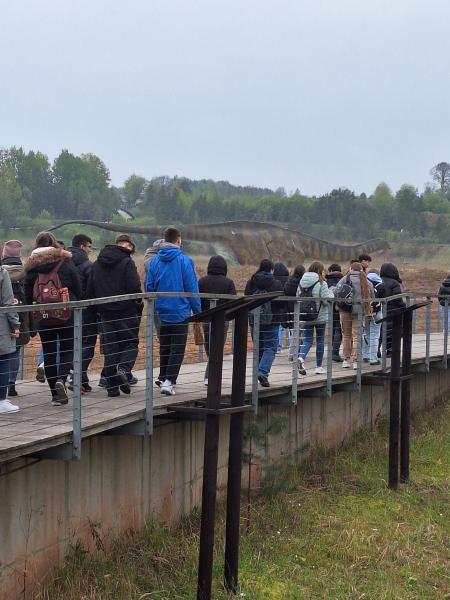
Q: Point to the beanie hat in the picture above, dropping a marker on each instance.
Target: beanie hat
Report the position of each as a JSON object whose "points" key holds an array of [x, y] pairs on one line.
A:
{"points": [[12, 249], [124, 237]]}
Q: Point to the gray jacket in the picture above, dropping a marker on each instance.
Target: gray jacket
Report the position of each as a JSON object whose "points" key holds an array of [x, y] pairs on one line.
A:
{"points": [[10, 321], [356, 285], [321, 290]]}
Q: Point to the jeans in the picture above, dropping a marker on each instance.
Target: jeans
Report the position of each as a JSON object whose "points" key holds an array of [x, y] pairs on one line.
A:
{"points": [[173, 338], [90, 332], [50, 338], [350, 326], [14, 365], [206, 327], [5, 360], [120, 346], [308, 331], [41, 354], [370, 340], [337, 333], [268, 340]]}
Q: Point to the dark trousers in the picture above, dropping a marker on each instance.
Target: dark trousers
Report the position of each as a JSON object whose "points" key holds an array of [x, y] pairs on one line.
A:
{"points": [[49, 338], [90, 332], [206, 328], [337, 332], [5, 361], [120, 346], [173, 337]]}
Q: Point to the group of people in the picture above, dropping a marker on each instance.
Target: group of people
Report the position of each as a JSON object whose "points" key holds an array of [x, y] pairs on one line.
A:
{"points": [[52, 273]]}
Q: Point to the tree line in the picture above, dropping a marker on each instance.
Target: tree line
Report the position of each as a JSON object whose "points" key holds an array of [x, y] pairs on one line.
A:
{"points": [[32, 191]]}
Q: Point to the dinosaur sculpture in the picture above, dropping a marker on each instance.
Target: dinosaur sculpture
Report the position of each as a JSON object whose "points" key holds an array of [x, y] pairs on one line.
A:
{"points": [[250, 241]]}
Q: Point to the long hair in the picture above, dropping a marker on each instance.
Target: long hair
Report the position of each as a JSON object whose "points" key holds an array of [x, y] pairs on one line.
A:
{"points": [[45, 239], [365, 290], [317, 267]]}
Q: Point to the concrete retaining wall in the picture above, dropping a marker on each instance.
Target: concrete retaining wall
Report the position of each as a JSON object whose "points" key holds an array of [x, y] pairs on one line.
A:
{"points": [[122, 481]]}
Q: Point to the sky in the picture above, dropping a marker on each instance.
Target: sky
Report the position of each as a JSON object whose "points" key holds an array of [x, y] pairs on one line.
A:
{"points": [[307, 94]]}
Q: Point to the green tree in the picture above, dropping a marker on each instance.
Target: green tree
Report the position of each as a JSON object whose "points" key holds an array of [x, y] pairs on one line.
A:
{"points": [[133, 190], [441, 174]]}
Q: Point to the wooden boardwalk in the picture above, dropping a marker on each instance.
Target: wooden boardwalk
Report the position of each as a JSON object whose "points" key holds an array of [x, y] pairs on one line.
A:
{"points": [[39, 425]]}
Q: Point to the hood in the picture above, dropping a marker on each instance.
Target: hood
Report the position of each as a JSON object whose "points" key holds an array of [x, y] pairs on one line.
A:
{"points": [[16, 272], [334, 275], [390, 270], [262, 280], [112, 255], [217, 266], [309, 279], [157, 246], [79, 256], [280, 270], [44, 259], [169, 254], [374, 278]]}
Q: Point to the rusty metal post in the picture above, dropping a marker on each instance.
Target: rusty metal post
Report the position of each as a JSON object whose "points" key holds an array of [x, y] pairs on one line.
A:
{"points": [[394, 403]]}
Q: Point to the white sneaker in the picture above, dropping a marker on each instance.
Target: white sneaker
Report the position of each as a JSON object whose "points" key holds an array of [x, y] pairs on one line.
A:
{"points": [[346, 364], [301, 366], [320, 371], [355, 366], [7, 407], [167, 388]]}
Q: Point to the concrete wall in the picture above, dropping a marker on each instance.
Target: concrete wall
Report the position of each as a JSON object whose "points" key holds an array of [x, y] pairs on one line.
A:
{"points": [[122, 481]]}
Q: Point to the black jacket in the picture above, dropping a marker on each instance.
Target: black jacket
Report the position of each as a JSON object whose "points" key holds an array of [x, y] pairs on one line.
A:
{"points": [[333, 278], [216, 282], [444, 291], [113, 274], [44, 262], [265, 282], [83, 265], [290, 289], [391, 285]]}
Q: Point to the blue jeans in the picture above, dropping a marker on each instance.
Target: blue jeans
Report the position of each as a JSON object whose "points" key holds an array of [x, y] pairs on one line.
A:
{"points": [[5, 361], [307, 330], [268, 340], [370, 340]]}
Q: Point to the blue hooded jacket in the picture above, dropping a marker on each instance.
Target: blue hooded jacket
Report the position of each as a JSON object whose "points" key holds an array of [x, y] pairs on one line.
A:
{"points": [[173, 271]]}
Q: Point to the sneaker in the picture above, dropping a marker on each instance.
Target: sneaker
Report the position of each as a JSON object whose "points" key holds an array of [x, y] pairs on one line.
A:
{"points": [[355, 366], [301, 366], [40, 373], [158, 383], [346, 364], [60, 396], [12, 390], [263, 380], [123, 378], [206, 381], [7, 407], [113, 393], [103, 383], [85, 387], [366, 360], [290, 358], [167, 388], [132, 380], [375, 362], [320, 371], [337, 358]]}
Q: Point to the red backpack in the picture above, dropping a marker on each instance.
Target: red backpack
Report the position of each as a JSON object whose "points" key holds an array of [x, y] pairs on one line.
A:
{"points": [[47, 289]]}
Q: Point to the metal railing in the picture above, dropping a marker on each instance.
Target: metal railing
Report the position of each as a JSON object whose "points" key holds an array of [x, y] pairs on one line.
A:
{"points": [[431, 328]]}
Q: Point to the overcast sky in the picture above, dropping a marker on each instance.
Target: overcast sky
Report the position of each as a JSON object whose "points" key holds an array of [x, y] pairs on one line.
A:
{"points": [[313, 94]]}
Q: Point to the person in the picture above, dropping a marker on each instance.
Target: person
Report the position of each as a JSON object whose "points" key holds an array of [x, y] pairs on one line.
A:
{"points": [[333, 277], [444, 298], [391, 287], [262, 282], [46, 256], [281, 273], [9, 333], [172, 271], [314, 280], [362, 295], [371, 337], [12, 262], [80, 249], [114, 273], [290, 289], [365, 260], [215, 282]]}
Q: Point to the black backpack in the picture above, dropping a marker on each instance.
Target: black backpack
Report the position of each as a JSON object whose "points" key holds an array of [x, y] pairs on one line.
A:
{"points": [[308, 305], [344, 294], [265, 315]]}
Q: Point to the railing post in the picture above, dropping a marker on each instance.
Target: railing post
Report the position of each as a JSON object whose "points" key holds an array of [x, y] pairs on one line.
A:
{"points": [[330, 349], [256, 321], [150, 312], [359, 347], [414, 316], [77, 366], [445, 353], [384, 327], [295, 357], [427, 334]]}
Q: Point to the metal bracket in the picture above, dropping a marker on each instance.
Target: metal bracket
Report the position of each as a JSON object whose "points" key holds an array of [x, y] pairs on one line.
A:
{"points": [[62, 452]]}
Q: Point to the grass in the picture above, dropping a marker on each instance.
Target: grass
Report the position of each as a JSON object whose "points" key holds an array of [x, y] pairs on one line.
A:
{"points": [[328, 528]]}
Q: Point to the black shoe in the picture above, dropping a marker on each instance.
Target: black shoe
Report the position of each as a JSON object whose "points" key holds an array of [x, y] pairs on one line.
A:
{"points": [[86, 387], [132, 380], [113, 393], [103, 382], [263, 381], [123, 379], [40, 374], [337, 358], [12, 390], [158, 383], [366, 360], [376, 362], [60, 396]]}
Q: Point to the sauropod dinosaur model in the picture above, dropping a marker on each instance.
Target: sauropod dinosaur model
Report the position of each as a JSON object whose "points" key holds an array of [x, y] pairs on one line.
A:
{"points": [[250, 241]]}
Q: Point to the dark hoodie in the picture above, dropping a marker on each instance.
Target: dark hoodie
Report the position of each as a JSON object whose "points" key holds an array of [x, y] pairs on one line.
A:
{"points": [[43, 262], [83, 265], [280, 272], [114, 274], [216, 282], [333, 278], [444, 291], [391, 285], [290, 289], [265, 282]]}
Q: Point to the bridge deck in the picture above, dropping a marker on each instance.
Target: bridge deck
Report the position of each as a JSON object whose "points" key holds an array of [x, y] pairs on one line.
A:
{"points": [[39, 425]]}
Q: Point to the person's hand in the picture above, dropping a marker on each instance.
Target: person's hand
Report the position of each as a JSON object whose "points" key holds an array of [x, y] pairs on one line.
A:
{"points": [[15, 333], [15, 301]]}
